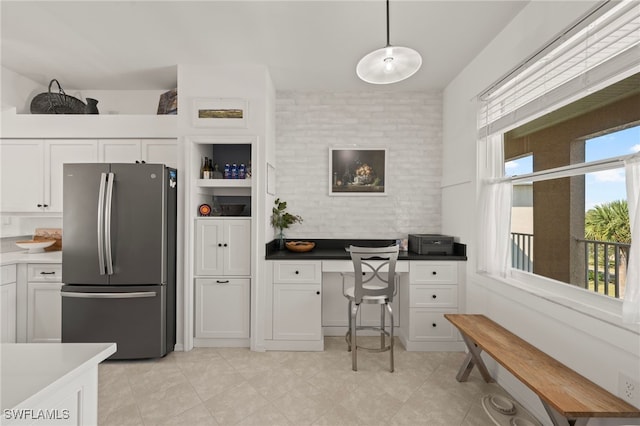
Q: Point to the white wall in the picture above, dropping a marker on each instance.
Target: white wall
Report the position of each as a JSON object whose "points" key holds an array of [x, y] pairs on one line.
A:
{"points": [[595, 347], [407, 124], [17, 91]]}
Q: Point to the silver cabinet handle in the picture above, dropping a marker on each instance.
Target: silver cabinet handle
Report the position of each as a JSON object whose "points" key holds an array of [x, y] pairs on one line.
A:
{"points": [[133, 295], [107, 224], [103, 183]]}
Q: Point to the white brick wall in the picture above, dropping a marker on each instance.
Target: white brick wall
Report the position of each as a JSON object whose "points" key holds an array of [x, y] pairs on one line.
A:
{"points": [[408, 124]]}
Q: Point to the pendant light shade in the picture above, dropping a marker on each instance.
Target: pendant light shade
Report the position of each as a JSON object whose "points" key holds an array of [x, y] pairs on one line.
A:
{"points": [[389, 64]]}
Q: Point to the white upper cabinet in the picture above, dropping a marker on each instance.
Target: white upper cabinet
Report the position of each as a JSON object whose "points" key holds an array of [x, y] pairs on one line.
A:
{"points": [[164, 151], [32, 172], [21, 175], [119, 150], [57, 153]]}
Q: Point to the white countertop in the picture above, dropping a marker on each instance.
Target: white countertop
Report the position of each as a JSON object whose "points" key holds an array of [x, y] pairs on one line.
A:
{"points": [[29, 369], [24, 257]]}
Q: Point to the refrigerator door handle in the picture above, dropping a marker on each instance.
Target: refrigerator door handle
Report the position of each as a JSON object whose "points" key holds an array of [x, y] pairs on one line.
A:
{"points": [[107, 223], [132, 295], [103, 183]]}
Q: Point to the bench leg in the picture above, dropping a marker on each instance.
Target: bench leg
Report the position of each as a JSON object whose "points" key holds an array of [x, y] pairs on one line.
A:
{"points": [[559, 420], [473, 359]]}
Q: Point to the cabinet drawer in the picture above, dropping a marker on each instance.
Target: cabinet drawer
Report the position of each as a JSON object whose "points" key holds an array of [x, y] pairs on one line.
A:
{"points": [[297, 272], [433, 273], [433, 296], [44, 272], [7, 274], [427, 324]]}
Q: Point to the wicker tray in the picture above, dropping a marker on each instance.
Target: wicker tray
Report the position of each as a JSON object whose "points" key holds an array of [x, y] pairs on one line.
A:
{"points": [[300, 246], [57, 103]]}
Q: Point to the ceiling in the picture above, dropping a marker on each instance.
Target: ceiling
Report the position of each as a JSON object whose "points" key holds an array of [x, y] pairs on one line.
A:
{"points": [[307, 45]]}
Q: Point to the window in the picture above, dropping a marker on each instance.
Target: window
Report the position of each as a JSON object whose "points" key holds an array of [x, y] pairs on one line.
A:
{"points": [[562, 134]]}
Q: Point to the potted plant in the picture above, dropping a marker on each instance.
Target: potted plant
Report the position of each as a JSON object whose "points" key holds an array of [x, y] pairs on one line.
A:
{"points": [[281, 220]]}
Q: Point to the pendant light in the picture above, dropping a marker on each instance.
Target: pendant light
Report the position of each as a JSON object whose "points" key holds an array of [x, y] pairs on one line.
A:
{"points": [[389, 64]]}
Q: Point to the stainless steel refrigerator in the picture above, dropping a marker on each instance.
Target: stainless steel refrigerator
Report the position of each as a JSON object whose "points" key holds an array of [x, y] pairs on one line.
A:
{"points": [[119, 257]]}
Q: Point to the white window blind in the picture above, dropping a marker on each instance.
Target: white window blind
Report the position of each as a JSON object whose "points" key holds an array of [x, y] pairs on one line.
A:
{"points": [[603, 52]]}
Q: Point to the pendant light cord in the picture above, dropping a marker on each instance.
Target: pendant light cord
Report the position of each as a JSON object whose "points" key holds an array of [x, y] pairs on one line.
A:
{"points": [[388, 25]]}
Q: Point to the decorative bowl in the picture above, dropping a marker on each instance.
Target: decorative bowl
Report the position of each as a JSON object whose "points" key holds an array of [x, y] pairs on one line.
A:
{"points": [[300, 246], [231, 209], [35, 246]]}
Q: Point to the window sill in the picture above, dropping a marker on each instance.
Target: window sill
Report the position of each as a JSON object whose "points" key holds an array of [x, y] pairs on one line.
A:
{"points": [[601, 308]]}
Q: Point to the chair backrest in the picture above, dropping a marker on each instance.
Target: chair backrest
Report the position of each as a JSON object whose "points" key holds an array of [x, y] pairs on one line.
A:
{"points": [[385, 258]]}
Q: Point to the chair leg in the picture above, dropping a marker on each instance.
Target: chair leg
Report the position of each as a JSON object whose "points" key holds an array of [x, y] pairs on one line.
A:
{"points": [[354, 337], [348, 335], [382, 336], [390, 334]]}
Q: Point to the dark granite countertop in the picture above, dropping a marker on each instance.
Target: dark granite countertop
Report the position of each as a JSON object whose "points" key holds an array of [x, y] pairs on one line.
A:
{"points": [[334, 249]]}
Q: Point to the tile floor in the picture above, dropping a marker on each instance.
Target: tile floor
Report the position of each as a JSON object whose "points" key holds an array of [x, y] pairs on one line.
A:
{"points": [[233, 386]]}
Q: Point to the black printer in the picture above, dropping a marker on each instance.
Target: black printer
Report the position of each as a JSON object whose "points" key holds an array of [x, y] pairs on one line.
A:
{"points": [[434, 244]]}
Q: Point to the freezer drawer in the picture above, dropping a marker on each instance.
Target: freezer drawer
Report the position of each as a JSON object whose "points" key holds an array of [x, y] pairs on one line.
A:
{"points": [[133, 317]]}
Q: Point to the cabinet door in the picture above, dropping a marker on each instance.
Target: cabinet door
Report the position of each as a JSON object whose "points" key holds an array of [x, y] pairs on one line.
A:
{"points": [[44, 312], [21, 175], [237, 252], [209, 250], [119, 150], [161, 151], [297, 312], [57, 153], [222, 308], [8, 313]]}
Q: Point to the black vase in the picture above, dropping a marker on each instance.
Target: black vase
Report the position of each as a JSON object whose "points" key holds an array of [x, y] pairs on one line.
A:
{"points": [[92, 106]]}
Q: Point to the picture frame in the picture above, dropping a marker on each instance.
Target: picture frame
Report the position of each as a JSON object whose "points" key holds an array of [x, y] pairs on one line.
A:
{"points": [[220, 112], [358, 171], [271, 179]]}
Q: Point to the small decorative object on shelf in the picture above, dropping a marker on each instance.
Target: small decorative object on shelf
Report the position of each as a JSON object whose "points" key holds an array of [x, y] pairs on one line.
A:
{"points": [[168, 103], [204, 210], [281, 220], [92, 106], [57, 103], [217, 174]]}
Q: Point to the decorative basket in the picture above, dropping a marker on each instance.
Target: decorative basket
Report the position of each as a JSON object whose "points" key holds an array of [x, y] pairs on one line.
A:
{"points": [[57, 103], [300, 246]]}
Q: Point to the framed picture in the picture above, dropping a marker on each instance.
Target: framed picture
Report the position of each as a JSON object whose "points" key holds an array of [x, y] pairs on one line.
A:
{"points": [[357, 171], [271, 179], [224, 112]]}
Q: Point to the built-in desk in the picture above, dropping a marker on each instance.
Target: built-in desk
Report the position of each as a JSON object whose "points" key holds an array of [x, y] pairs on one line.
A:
{"points": [[305, 301]]}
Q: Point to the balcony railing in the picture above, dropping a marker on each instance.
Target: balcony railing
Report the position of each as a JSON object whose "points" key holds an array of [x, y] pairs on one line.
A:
{"points": [[522, 251], [605, 263]]}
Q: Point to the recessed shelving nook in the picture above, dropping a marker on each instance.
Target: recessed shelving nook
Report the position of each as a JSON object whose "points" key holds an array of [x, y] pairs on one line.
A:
{"points": [[222, 150]]}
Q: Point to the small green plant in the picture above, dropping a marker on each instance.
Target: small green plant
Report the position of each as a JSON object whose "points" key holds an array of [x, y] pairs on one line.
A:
{"points": [[280, 218]]}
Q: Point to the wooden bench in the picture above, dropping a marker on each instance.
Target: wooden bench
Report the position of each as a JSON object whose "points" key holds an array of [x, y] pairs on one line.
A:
{"points": [[568, 397]]}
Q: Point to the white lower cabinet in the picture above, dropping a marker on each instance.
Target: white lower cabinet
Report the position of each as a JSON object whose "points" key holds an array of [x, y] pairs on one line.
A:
{"points": [[296, 294], [222, 266], [8, 305], [222, 308], [44, 303], [296, 312], [434, 289]]}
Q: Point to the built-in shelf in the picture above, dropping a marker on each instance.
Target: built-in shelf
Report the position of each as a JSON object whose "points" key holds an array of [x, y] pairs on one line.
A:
{"points": [[224, 183], [87, 126]]}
